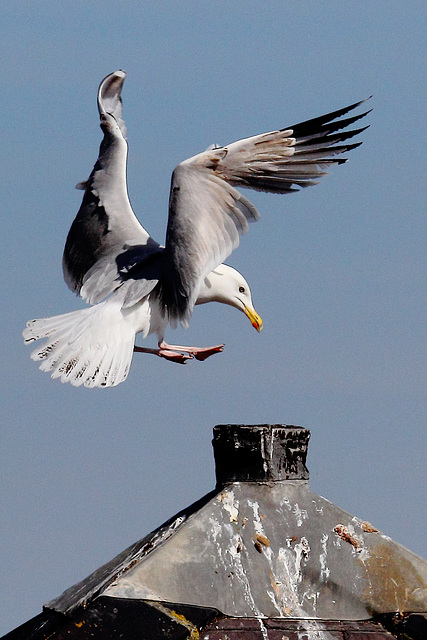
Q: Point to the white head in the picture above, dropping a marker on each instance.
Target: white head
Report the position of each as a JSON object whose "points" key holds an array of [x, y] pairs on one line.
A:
{"points": [[225, 284]]}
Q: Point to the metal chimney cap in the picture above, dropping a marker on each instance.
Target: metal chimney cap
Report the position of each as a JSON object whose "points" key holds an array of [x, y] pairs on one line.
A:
{"points": [[260, 453]]}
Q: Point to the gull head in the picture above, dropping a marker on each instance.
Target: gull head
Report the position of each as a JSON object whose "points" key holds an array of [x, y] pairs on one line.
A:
{"points": [[226, 285]]}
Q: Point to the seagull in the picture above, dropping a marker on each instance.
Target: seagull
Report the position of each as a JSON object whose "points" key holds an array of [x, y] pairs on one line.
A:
{"points": [[136, 285]]}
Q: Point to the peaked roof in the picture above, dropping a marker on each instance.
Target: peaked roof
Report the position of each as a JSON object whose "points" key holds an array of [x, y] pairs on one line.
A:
{"points": [[255, 549], [261, 547]]}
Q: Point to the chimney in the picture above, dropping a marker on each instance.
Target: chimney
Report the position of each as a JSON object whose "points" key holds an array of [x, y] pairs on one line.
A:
{"points": [[260, 453]]}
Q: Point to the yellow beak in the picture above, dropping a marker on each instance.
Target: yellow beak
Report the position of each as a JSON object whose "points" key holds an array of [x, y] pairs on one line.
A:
{"points": [[254, 318]]}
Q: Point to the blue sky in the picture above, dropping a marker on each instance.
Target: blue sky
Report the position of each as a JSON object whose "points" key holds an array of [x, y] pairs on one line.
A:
{"points": [[337, 272]]}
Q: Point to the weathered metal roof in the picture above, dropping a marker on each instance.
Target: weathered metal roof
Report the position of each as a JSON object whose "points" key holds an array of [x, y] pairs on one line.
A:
{"points": [[262, 547], [278, 551]]}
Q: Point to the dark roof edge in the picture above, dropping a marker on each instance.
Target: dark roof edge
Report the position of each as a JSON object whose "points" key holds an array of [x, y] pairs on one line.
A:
{"points": [[112, 617], [407, 625]]}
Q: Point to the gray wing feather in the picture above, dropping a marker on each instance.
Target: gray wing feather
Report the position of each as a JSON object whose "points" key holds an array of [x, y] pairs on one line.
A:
{"points": [[207, 215], [288, 159], [105, 226], [110, 99]]}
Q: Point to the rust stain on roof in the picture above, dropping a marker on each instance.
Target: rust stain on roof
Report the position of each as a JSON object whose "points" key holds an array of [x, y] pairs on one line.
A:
{"points": [[263, 539], [368, 527], [344, 533], [392, 579]]}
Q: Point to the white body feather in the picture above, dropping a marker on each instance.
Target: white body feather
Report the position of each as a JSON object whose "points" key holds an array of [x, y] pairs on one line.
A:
{"points": [[94, 346]]}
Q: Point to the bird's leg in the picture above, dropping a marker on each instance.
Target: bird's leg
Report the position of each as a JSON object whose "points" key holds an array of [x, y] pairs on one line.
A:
{"points": [[171, 355], [200, 353]]}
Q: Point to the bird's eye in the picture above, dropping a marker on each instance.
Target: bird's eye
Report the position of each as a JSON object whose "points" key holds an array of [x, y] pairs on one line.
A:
{"points": [[241, 289]]}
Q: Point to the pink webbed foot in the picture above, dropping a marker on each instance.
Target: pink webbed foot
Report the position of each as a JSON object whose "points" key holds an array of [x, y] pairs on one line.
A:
{"points": [[179, 353], [171, 355], [199, 353]]}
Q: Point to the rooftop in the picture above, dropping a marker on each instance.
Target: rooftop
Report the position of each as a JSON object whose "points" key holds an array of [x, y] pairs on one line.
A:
{"points": [[261, 555]]}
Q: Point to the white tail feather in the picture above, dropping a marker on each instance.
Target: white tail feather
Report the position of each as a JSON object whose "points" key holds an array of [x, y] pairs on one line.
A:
{"points": [[91, 347]]}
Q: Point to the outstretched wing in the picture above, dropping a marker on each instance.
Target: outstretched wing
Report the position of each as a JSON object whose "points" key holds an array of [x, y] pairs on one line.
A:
{"points": [[207, 215], [105, 230]]}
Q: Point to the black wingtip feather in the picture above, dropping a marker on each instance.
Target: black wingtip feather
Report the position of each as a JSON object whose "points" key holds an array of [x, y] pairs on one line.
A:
{"points": [[318, 130], [325, 137], [328, 117]]}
